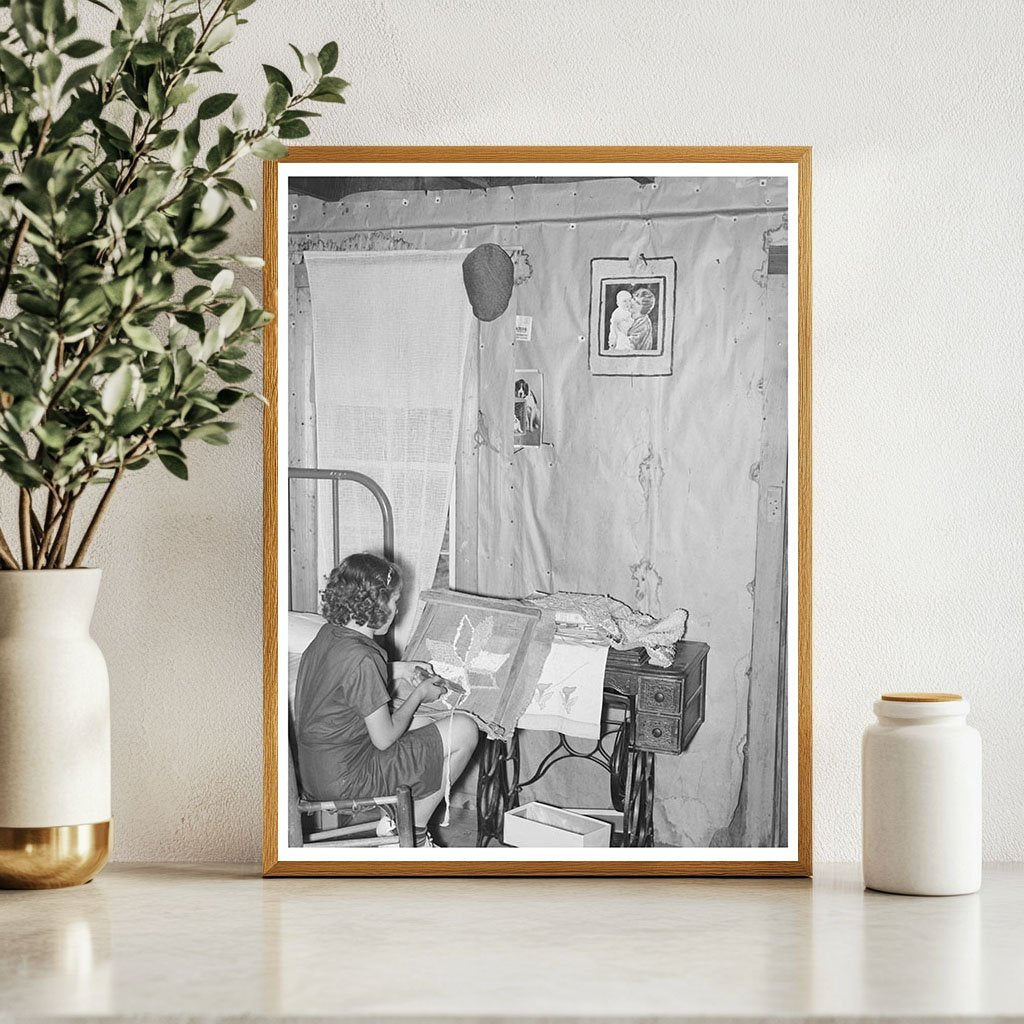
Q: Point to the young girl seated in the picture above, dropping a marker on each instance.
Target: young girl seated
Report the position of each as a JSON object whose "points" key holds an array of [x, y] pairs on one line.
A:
{"points": [[349, 744]]}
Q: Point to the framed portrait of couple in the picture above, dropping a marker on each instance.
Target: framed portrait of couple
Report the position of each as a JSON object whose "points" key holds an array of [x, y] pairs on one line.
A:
{"points": [[540, 621]]}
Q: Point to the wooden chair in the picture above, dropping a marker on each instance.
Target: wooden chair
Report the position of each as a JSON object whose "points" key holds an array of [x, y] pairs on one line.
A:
{"points": [[306, 822]]}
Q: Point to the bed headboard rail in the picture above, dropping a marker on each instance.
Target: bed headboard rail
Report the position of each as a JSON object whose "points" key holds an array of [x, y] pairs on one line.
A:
{"points": [[336, 477]]}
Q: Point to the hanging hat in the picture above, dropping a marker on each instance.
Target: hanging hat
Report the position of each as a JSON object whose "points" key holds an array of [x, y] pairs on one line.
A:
{"points": [[487, 273]]}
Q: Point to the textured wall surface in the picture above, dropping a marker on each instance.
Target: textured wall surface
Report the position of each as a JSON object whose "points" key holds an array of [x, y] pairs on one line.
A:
{"points": [[913, 111]]}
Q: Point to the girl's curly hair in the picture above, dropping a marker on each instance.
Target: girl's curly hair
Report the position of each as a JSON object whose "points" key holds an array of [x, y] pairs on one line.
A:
{"points": [[359, 590]]}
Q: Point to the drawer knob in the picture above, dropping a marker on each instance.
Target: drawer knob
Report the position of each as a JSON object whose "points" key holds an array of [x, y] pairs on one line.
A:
{"points": [[659, 697], [656, 733]]}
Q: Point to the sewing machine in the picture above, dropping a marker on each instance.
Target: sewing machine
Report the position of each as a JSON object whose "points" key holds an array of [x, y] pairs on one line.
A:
{"points": [[654, 710]]}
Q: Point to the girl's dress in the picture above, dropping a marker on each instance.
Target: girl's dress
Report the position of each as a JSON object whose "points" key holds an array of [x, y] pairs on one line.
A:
{"points": [[342, 679]]}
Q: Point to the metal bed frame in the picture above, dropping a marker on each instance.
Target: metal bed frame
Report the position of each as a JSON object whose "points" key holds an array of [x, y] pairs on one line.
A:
{"points": [[337, 476]]}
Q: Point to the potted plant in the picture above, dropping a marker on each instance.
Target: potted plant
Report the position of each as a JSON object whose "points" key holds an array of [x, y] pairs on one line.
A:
{"points": [[122, 341]]}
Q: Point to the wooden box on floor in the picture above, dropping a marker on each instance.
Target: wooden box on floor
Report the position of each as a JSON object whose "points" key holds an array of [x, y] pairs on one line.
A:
{"points": [[537, 824]]}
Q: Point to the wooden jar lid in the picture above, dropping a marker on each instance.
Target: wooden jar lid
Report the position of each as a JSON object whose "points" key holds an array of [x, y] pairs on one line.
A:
{"points": [[921, 698]]}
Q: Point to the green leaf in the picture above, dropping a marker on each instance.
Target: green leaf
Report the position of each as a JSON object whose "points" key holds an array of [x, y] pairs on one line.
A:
{"points": [[26, 413], [129, 421], [223, 280], [269, 149], [233, 373], [11, 356], [175, 465], [214, 105], [25, 17], [164, 376], [116, 133], [275, 76], [129, 207], [116, 390], [162, 139], [193, 379], [328, 57], [144, 338], [133, 12], [78, 78], [292, 130], [181, 94], [53, 14], [109, 65], [21, 471], [276, 99], [83, 48], [49, 68], [65, 28], [156, 101], [53, 435], [334, 84], [119, 291], [255, 262], [211, 433], [228, 397], [149, 53], [311, 65], [184, 44], [16, 70], [232, 319], [36, 304], [221, 35], [195, 296], [326, 96]]}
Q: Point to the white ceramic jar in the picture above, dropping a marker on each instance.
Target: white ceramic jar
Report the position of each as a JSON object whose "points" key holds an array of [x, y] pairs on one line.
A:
{"points": [[921, 776]]}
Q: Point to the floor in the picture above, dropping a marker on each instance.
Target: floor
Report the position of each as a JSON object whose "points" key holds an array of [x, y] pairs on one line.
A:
{"points": [[461, 830]]}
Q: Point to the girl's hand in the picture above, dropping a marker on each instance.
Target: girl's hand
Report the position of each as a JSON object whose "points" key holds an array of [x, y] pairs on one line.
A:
{"points": [[408, 669], [430, 689]]}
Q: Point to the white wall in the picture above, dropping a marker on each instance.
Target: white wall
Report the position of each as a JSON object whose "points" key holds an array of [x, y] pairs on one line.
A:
{"points": [[913, 110]]}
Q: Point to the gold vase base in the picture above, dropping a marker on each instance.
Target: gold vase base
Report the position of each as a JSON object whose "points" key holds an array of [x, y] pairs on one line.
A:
{"points": [[53, 857]]}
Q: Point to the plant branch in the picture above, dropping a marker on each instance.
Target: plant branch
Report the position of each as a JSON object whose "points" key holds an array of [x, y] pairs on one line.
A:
{"points": [[86, 358], [94, 523], [51, 525], [60, 545], [22, 229], [37, 527], [25, 522], [6, 554]]}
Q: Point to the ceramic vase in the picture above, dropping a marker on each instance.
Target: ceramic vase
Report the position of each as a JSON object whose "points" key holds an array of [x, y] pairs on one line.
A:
{"points": [[921, 771], [54, 731]]}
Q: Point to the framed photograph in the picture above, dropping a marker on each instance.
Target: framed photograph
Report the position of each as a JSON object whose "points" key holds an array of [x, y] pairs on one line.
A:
{"points": [[543, 621], [632, 315]]}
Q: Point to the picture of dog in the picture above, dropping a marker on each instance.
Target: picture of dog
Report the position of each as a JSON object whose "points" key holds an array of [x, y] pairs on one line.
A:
{"points": [[526, 407]]}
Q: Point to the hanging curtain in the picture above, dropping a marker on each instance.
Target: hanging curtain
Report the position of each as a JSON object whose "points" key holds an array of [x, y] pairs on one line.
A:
{"points": [[390, 331]]}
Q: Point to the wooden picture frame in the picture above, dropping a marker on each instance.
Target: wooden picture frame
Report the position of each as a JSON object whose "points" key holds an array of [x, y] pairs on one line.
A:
{"points": [[771, 824]]}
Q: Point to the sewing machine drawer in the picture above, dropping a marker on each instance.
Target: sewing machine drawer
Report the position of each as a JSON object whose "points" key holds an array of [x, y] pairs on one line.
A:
{"points": [[658, 732], [660, 694]]}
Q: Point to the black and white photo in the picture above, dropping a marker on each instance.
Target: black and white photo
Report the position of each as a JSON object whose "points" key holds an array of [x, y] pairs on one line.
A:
{"points": [[633, 314]]}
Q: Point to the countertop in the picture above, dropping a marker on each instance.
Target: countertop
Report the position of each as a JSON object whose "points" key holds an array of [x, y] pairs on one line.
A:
{"points": [[176, 942]]}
